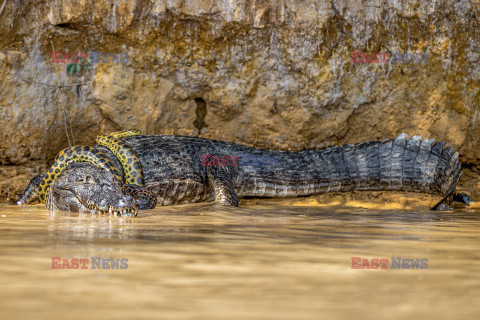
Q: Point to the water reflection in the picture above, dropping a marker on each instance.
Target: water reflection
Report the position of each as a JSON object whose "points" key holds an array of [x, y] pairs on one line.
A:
{"points": [[208, 261]]}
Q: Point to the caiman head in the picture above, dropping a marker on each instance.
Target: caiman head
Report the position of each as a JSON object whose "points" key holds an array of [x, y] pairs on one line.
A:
{"points": [[84, 187]]}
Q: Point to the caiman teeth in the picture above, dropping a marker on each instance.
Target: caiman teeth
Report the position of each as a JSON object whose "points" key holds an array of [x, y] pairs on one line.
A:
{"points": [[112, 210]]}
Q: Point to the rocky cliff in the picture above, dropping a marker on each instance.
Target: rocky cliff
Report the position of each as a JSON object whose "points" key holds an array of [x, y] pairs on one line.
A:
{"points": [[274, 74]]}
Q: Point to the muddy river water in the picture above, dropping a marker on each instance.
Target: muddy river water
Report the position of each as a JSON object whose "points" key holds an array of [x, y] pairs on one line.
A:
{"points": [[203, 261]]}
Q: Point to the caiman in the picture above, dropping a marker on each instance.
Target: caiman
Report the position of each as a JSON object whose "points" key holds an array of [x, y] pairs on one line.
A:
{"points": [[127, 171]]}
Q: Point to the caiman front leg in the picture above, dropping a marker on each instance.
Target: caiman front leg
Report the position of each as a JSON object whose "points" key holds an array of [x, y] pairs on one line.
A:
{"points": [[146, 199], [222, 181]]}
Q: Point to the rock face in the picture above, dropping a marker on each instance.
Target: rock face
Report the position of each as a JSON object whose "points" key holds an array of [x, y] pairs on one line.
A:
{"points": [[265, 73]]}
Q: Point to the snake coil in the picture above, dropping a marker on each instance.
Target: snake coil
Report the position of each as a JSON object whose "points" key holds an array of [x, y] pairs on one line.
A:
{"points": [[132, 167], [77, 154]]}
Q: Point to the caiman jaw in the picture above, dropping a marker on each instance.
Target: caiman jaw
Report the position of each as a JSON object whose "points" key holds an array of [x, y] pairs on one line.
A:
{"points": [[111, 209]]}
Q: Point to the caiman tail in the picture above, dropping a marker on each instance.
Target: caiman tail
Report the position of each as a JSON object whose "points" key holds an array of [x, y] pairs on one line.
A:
{"points": [[401, 164]]}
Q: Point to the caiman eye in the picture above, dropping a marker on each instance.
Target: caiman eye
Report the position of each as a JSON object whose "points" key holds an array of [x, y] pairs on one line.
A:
{"points": [[89, 179]]}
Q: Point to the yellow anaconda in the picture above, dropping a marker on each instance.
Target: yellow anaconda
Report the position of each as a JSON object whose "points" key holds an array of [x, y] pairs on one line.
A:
{"points": [[77, 154], [126, 155]]}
